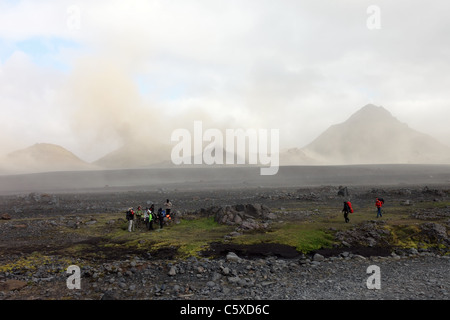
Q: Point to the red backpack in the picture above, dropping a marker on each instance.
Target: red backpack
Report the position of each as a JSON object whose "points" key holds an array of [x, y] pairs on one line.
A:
{"points": [[350, 206]]}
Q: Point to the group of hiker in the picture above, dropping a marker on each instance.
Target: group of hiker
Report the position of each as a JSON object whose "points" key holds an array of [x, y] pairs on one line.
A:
{"points": [[163, 216], [379, 202], [148, 216]]}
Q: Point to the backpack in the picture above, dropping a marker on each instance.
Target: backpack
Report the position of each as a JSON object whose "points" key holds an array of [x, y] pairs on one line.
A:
{"points": [[129, 215], [349, 204], [381, 200]]}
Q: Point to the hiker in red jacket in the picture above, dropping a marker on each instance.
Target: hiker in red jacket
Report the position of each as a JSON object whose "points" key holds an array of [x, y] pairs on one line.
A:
{"points": [[378, 204]]}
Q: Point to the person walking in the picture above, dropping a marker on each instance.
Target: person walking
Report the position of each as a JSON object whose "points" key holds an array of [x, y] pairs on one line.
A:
{"points": [[346, 211], [378, 204]]}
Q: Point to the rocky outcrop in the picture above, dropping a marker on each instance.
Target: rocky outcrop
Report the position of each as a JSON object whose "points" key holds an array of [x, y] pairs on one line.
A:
{"points": [[244, 216], [369, 233], [435, 233]]}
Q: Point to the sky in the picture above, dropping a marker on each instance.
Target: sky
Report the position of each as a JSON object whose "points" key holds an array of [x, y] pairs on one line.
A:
{"points": [[94, 75]]}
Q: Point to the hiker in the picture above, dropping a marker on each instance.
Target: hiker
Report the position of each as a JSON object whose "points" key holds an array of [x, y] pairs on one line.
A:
{"points": [[161, 217], [379, 204], [130, 218], [168, 206], [139, 216], [152, 209], [346, 211], [148, 216]]}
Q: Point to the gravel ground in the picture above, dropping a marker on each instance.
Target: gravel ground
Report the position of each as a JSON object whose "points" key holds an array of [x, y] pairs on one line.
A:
{"points": [[421, 276]]}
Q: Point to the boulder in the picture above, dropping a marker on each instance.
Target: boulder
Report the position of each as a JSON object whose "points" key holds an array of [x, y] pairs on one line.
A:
{"points": [[343, 191], [231, 256], [318, 257], [5, 216], [172, 271]]}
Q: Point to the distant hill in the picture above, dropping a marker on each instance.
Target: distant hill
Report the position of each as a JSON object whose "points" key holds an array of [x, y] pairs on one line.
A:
{"points": [[373, 136], [134, 155], [42, 157], [141, 156], [370, 136]]}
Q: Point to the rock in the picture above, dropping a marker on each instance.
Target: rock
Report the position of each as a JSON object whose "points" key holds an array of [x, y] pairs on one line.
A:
{"points": [[5, 216], [200, 269], [346, 244], [318, 257], [434, 231], [412, 251], [371, 242], [92, 221], [231, 256], [226, 271], [110, 296], [11, 285], [216, 276], [176, 288], [343, 191], [235, 279], [237, 219], [235, 234], [244, 216], [172, 271]]}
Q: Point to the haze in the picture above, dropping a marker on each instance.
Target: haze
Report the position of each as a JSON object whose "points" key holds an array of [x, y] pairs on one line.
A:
{"points": [[95, 75]]}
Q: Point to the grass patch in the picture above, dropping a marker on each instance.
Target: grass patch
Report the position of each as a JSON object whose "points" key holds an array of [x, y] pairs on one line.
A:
{"points": [[35, 259], [305, 237]]}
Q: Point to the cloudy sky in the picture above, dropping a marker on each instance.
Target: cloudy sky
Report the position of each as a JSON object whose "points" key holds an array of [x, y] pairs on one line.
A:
{"points": [[93, 75]]}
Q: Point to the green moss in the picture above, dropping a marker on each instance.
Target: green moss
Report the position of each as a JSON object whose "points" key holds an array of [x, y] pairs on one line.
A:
{"points": [[409, 236], [33, 261], [303, 236]]}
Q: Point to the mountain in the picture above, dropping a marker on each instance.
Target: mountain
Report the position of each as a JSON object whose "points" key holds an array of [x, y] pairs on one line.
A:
{"points": [[135, 155], [42, 157], [373, 136]]}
